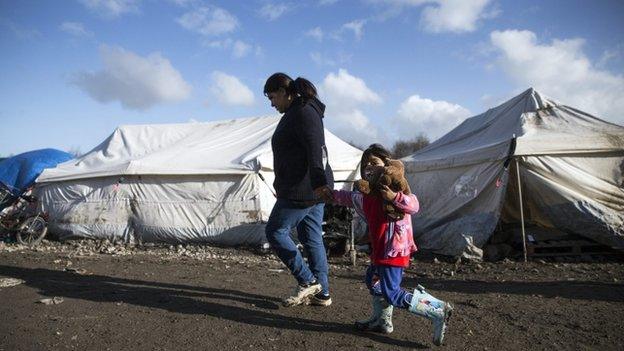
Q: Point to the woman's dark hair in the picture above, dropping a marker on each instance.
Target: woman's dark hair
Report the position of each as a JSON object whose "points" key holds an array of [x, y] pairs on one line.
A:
{"points": [[298, 87], [374, 150]]}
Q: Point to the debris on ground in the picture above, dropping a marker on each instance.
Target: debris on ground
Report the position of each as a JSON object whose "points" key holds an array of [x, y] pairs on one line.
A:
{"points": [[80, 271], [179, 292], [82, 248], [52, 301], [8, 282]]}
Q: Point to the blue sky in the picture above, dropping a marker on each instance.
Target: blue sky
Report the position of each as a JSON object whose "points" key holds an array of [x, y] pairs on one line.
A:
{"points": [[73, 70]]}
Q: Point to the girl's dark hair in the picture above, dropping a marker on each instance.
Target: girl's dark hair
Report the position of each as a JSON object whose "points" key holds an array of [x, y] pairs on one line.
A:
{"points": [[374, 150], [298, 87]]}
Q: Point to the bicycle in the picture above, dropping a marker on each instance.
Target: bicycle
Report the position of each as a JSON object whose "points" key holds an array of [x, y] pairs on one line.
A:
{"points": [[20, 218]]}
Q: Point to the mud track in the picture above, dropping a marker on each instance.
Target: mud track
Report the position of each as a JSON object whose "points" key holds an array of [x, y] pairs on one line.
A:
{"points": [[228, 299]]}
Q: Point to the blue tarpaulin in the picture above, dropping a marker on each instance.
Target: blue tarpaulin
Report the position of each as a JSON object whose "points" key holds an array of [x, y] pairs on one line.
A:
{"points": [[20, 171]]}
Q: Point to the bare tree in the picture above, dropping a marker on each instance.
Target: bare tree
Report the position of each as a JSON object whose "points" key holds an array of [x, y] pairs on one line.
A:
{"points": [[403, 148]]}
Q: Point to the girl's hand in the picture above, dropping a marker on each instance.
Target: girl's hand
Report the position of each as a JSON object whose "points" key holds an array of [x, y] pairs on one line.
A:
{"points": [[324, 193], [387, 193]]}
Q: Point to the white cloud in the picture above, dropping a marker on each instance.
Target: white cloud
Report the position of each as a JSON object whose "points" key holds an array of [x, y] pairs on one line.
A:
{"points": [[560, 70], [357, 27], [76, 29], [185, 3], [400, 2], [344, 95], [440, 16], [354, 127], [18, 30], [432, 118], [333, 60], [611, 56], [258, 51], [209, 21], [455, 15], [112, 8], [387, 9], [229, 90], [316, 33], [321, 60], [272, 11], [136, 82], [238, 48], [347, 90]]}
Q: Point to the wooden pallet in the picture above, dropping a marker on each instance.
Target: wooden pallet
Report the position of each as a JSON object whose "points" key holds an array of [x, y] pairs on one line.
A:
{"points": [[568, 248]]}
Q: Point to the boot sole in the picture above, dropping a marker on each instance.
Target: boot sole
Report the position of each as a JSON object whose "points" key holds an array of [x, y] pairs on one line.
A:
{"points": [[448, 311], [319, 302]]}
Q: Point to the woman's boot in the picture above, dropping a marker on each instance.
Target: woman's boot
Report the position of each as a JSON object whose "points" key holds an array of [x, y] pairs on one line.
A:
{"points": [[438, 311], [381, 319]]}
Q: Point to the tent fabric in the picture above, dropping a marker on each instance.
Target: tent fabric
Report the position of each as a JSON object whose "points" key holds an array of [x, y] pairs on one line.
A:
{"points": [[571, 167], [237, 146], [176, 183], [220, 209], [20, 171]]}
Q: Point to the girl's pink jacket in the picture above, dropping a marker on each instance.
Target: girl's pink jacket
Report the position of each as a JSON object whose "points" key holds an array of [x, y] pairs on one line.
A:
{"points": [[392, 242]]}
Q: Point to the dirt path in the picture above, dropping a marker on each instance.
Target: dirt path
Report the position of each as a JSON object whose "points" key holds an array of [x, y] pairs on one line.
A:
{"points": [[228, 299]]}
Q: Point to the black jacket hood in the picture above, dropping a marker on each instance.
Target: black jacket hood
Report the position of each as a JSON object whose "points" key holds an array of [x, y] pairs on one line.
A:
{"points": [[315, 103]]}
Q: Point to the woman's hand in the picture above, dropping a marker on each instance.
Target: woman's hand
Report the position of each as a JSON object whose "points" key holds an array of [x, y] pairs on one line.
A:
{"points": [[387, 193]]}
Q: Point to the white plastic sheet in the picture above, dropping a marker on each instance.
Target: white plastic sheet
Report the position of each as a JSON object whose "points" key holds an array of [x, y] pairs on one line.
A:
{"points": [[175, 183], [571, 167]]}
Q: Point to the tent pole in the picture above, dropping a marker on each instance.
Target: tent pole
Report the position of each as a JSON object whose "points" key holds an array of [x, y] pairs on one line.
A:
{"points": [[352, 251], [524, 247]]}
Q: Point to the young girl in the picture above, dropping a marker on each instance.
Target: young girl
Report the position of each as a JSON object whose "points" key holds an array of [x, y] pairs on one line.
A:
{"points": [[391, 246]]}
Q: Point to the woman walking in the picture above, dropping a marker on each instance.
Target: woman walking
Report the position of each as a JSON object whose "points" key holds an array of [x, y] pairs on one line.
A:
{"points": [[303, 179]]}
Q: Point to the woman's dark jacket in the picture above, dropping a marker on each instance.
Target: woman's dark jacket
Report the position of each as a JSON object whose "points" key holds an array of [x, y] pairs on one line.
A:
{"points": [[299, 152]]}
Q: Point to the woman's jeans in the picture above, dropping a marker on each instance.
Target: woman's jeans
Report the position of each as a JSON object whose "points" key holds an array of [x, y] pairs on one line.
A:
{"points": [[308, 221]]}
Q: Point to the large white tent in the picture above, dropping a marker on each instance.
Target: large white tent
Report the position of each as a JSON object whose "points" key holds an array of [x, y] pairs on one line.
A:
{"points": [[570, 167], [209, 182]]}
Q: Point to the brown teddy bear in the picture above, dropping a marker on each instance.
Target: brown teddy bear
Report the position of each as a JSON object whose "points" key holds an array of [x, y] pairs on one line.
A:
{"points": [[391, 175]]}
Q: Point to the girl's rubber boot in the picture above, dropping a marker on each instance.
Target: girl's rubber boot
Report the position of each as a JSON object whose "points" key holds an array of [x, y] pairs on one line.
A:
{"points": [[381, 319], [438, 311]]}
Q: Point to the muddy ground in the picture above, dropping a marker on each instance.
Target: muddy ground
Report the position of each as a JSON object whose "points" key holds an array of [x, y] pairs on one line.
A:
{"points": [[177, 298]]}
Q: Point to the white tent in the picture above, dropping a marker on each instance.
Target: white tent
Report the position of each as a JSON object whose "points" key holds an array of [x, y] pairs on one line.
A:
{"points": [[570, 170], [209, 182]]}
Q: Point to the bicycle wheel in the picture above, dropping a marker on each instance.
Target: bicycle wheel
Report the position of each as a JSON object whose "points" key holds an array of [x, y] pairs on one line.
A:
{"points": [[32, 231]]}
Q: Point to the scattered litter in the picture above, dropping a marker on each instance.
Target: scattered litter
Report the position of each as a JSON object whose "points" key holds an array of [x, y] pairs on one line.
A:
{"points": [[53, 301], [70, 251], [275, 270], [7, 282], [81, 271]]}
